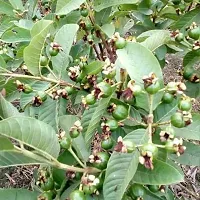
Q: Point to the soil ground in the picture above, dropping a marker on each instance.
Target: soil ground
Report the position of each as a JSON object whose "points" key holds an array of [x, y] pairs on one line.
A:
{"points": [[22, 177]]}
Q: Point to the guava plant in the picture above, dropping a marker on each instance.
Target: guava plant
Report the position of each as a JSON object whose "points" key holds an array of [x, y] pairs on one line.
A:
{"points": [[83, 96]]}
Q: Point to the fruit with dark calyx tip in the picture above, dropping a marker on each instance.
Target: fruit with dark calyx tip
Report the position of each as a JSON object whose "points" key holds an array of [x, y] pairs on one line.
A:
{"points": [[105, 88], [107, 143], [153, 88], [177, 120], [120, 112], [53, 51], [103, 158]]}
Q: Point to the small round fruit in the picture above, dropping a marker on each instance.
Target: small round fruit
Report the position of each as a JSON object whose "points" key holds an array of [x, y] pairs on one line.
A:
{"points": [[177, 120], [48, 184], [151, 148], [90, 99], [105, 89], [137, 190], [185, 105], [120, 112], [103, 157], [130, 101], [42, 95], [77, 195], [89, 189], [65, 143], [111, 75], [188, 72], [53, 51], [27, 89], [153, 88], [112, 123], [130, 146], [194, 33], [84, 12], [43, 61], [179, 37], [154, 188], [120, 43], [107, 143], [74, 133], [70, 90], [168, 98]]}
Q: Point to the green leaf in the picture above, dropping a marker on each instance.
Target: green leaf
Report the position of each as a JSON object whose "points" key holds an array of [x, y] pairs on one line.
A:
{"points": [[94, 114], [93, 68], [2, 63], [162, 174], [16, 34], [6, 8], [33, 52], [17, 4], [193, 89], [78, 143], [102, 16], [18, 194], [5, 144], [101, 4], [190, 59], [31, 132], [192, 131], [7, 109], [65, 37], [14, 158], [155, 39], [139, 62], [190, 156], [187, 19], [64, 7], [164, 111], [151, 196], [24, 23], [108, 29], [122, 167]]}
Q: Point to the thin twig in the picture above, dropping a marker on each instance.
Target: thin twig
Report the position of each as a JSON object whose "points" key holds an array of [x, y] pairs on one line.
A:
{"points": [[190, 192]]}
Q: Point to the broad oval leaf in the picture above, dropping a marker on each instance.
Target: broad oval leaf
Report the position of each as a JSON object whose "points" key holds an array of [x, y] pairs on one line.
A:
{"points": [[162, 174], [31, 132], [101, 4], [66, 122], [139, 62], [18, 194], [5, 144], [122, 167], [17, 4], [64, 7], [7, 109], [33, 52], [6, 8]]}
